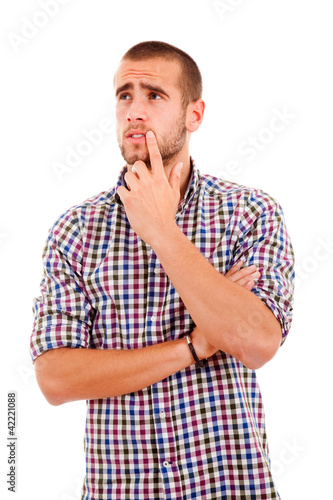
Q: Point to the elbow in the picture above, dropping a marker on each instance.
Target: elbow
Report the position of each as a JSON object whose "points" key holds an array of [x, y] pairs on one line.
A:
{"points": [[54, 400], [47, 380], [260, 353], [252, 359], [55, 397], [265, 341], [50, 390], [257, 359], [255, 363]]}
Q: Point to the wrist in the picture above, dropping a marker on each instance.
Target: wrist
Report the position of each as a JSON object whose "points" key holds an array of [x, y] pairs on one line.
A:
{"points": [[202, 347], [199, 361], [183, 352], [164, 236]]}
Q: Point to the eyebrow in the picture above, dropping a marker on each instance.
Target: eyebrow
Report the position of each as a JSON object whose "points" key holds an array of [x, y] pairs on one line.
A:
{"points": [[144, 86]]}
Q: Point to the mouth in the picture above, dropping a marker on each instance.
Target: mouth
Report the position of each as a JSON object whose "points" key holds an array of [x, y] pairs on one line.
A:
{"points": [[136, 137]]}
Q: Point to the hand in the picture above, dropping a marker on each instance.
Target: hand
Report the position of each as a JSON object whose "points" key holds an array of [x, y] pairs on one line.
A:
{"points": [[151, 204], [243, 277]]}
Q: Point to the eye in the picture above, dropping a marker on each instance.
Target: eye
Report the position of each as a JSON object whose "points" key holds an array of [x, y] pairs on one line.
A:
{"points": [[155, 97], [124, 97]]}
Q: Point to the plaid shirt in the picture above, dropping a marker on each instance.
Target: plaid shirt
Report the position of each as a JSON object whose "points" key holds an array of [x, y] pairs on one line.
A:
{"points": [[200, 433]]}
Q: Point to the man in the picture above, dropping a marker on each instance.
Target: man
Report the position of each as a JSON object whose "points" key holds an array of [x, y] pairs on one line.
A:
{"points": [[148, 313]]}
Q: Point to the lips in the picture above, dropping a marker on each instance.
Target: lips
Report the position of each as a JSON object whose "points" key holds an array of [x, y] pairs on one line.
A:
{"points": [[136, 133], [136, 136]]}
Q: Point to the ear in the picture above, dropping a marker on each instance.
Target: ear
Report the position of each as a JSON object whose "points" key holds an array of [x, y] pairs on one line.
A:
{"points": [[194, 115]]}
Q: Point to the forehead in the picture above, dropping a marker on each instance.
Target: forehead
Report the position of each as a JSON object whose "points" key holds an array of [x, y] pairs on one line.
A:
{"points": [[158, 70]]}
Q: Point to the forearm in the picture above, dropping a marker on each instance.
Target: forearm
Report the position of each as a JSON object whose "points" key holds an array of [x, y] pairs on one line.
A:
{"points": [[67, 374], [232, 318]]}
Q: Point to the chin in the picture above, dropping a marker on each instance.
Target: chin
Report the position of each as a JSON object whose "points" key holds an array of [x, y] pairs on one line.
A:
{"points": [[132, 158]]}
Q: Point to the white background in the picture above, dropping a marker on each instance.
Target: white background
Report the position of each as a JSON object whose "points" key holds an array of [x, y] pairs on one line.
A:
{"points": [[256, 57]]}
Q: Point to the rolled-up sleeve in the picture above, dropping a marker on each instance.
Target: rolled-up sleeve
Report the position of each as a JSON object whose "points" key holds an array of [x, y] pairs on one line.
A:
{"points": [[264, 241], [62, 313]]}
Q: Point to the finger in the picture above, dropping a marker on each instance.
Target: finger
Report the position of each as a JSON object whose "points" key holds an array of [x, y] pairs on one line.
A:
{"points": [[154, 153], [235, 268], [131, 180], [246, 271], [236, 273], [123, 193], [249, 285], [135, 172], [140, 169], [242, 282], [252, 278], [242, 279]]}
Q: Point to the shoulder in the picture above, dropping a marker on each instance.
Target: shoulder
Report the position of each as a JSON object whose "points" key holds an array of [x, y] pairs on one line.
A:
{"points": [[95, 203], [94, 208], [237, 194]]}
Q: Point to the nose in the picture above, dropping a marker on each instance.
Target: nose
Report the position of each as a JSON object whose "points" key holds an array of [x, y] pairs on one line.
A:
{"points": [[136, 111]]}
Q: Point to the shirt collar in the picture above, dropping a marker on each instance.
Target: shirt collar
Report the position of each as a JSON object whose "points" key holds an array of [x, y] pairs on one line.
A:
{"points": [[190, 190], [191, 187]]}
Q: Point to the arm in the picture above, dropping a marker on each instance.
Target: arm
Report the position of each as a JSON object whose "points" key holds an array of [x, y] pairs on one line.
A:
{"points": [[71, 374], [67, 374], [230, 317]]}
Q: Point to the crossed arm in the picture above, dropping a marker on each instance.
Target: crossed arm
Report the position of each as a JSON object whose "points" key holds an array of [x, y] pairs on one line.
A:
{"points": [[66, 374]]}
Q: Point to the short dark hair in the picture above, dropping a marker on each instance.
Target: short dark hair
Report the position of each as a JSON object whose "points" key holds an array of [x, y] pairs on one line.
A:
{"points": [[190, 79]]}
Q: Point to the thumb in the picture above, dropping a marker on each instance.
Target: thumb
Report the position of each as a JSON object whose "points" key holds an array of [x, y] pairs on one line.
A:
{"points": [[174, 178]]}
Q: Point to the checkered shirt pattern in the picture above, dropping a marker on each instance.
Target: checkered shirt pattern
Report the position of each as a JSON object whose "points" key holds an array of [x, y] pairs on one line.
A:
{"points": [[200, 433]]}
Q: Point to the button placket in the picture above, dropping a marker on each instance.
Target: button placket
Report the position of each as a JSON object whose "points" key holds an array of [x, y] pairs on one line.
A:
{"points": [[153, 265]]}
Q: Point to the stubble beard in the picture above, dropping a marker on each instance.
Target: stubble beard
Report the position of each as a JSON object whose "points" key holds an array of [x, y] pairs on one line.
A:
{"points": [[169, 146]]}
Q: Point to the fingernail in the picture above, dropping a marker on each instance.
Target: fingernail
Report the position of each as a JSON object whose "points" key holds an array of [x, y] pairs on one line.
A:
{"points": [[180, 166], [150, 134]]}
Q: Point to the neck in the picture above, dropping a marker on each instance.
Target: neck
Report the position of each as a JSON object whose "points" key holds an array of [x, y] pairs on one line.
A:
{"points": [[185, 176], [186, 171]]}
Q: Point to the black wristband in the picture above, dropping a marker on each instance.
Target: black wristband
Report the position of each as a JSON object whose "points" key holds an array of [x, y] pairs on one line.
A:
{"points": [[200, 363]]}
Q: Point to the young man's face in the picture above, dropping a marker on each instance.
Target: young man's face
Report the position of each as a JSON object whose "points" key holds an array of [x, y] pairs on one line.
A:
{"points": [[148, 97]]}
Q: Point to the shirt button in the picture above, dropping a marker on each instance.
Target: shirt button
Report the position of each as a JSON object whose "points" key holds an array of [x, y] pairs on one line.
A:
{"points": [[154, 317], [157, 270], [166, 464], [162, 414]]}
